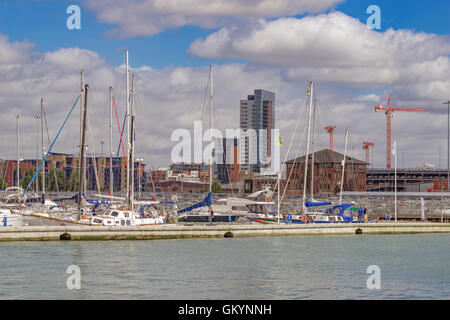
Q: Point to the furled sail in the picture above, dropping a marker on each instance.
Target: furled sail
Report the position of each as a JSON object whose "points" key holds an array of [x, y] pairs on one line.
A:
{"points": [[205, 203]]}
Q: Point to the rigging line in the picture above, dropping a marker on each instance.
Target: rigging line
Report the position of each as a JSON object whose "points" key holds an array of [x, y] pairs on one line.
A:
{"points": [[292, 139], [93, 154], [43, 160], [293, 164], [325, 144], [121, 139], [48, 137], [204, 100], [121, 134]]}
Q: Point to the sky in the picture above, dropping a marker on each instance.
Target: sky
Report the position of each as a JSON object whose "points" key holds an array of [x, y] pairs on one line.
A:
{"points": [[276, 45]]}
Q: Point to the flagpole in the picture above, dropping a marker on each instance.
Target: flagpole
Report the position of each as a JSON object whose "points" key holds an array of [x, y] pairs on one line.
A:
{"points": [[278, 183]]}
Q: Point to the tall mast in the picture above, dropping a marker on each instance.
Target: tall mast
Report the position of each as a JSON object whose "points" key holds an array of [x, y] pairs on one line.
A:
{"points": [[211, 106], [343, 166], [81, 117], [312, 147], [42, 145], [83, 138], [132, 172], [111, 176], [37, 154], [311, 91], [18, 159], [132, 142], [127, 89]]}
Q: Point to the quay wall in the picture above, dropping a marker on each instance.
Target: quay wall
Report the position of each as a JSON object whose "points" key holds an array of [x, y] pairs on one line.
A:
{"points": [[50, 233]]}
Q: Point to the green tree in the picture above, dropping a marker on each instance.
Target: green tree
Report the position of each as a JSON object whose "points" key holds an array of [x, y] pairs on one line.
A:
{"points": [[2, 184], [74, 181], [56, 180], [215, 188], [27, 178]]}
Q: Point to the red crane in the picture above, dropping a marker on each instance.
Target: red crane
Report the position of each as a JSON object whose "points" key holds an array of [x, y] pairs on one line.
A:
{"points": [[330, 130], [366, 146], [388, 113]]}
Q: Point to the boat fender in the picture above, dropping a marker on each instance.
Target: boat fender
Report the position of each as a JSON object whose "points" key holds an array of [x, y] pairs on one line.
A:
{"points": [[5, 221], [358, 231], [228, 234], [304, 218], [65, 236]]}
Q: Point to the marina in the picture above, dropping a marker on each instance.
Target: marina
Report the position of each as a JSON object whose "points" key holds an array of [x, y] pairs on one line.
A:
{"points": [[216, 149]]}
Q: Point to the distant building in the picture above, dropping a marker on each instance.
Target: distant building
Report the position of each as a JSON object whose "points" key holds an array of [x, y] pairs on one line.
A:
{"points": [[327, 173], [410, 180], [193, 172], [227, 160], [257, 115], [70, 163]]}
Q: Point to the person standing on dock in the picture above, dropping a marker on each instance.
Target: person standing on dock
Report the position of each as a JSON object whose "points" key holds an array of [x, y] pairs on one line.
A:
{"points": [[366, 215], [211, 215]]}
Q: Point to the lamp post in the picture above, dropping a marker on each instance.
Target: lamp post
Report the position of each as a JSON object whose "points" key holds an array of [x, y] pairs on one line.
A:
{"points": [[448, 144]]}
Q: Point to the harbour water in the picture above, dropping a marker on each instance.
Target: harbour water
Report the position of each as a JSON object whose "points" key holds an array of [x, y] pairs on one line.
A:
{"points": [[316, 267]]}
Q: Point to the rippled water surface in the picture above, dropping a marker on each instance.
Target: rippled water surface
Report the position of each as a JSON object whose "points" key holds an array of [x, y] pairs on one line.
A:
{"points": [[412, 267]]}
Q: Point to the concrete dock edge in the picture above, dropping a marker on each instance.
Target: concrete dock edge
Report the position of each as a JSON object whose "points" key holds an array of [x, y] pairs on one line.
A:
{"points": [[51, 233]]}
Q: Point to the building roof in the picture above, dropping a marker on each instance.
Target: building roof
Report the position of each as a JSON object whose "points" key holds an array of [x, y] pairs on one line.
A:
{"points": [[327, 156]]}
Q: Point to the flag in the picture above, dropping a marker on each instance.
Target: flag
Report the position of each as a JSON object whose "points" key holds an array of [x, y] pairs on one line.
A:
{"points": [[394, 147], [281, 141]]}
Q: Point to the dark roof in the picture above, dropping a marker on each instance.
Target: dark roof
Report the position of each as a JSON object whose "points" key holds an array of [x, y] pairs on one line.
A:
{"points": [[327, 156]]}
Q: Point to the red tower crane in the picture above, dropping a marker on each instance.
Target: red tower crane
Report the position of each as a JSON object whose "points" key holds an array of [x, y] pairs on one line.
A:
{"points": [[330, 130], [366, 146], [389, 110]]}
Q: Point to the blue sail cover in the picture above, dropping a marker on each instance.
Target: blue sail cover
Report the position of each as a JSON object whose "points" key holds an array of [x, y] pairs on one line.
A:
{"points": [[97, 202], [316, 204], [205, 203]]}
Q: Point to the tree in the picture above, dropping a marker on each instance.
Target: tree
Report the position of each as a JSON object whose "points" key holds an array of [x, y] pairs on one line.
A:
{"points": [[74, 181], [2, 184], [215, 188], [56, 180], [27, 178]]}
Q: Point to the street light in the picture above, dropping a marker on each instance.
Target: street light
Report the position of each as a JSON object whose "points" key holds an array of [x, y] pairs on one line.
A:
{"points": [[448, 144]]}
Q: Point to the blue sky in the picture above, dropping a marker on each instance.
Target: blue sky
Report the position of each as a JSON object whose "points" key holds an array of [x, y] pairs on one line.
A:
{"points": [[355, 68], [44, 23]]}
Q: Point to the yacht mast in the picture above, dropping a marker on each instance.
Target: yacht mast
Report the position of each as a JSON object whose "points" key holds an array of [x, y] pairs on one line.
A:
{"points": [[311, 91], [343, 166], [18, 159], [132, 143], [42, 145], [312, 147], [127, 89], [111, 176], [132, 172], [211, 106], [81, 125], [83, 163]]}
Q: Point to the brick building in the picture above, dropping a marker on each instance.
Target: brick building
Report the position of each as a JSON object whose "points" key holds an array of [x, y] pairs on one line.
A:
{"points": [[69, 163], [327, 173]]}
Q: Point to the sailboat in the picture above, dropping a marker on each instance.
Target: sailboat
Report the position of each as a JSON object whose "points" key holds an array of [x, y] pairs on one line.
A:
{"points": [[200, 212]]}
